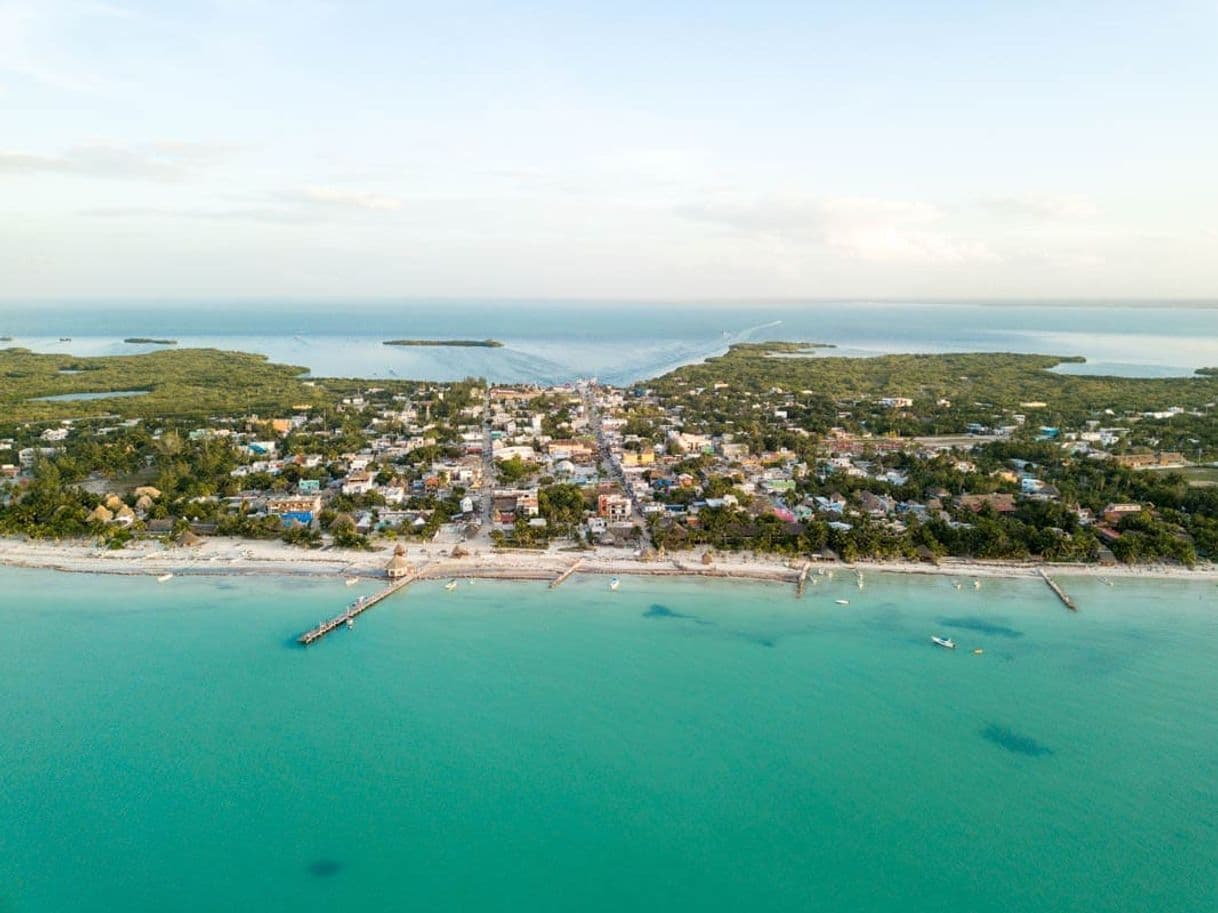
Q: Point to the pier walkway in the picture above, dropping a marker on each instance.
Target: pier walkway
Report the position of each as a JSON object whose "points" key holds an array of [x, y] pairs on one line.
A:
{"points": [[802, 582], [349, 614], [557, 581], [1061, 594]]}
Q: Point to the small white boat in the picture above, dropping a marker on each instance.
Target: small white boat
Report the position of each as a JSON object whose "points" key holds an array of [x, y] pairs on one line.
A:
{"points": [[164, 578], [860, 583], [978, 652], [352, 581], [956, 584], [350, 622], [451, 585], [976, 584], [843, 602], [945, 642], [614, 583]]}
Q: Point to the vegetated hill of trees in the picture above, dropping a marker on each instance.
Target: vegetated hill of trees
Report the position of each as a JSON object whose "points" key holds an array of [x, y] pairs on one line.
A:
{"points": [[183, 382], [978, 385]]}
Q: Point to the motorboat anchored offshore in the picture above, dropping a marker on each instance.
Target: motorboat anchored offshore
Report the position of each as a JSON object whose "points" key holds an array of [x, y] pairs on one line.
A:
{"points": [[945, 642]]}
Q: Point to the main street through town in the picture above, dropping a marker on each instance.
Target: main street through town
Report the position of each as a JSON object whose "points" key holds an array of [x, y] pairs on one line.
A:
{"points": [[609, 464]]}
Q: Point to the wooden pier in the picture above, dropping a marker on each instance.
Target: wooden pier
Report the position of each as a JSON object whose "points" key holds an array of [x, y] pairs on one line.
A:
{"points": [[1061, 594], [803, 578], [351, 612], [557, 581]]}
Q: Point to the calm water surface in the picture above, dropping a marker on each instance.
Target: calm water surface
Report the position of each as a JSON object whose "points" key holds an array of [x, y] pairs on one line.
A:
{"points": [[676, 745], [620, 342]]}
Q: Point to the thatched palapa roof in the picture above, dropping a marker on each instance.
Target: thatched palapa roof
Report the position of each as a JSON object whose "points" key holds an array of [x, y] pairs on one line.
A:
{"points": [[100, 515], [398, 566]]}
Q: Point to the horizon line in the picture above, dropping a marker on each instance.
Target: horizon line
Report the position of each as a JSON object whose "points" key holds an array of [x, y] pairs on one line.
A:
{"points": [[568, 299]]}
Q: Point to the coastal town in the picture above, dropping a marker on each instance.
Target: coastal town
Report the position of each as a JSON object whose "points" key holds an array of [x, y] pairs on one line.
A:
{"points": [[676, 470]]}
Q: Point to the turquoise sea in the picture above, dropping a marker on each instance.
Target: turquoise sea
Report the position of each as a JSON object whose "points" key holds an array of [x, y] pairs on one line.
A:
{"points": [[619, 342], [676, 745]]}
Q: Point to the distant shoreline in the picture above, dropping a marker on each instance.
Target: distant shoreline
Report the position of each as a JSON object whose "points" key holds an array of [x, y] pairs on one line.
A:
{"points": [[458, 343], [149, 341]]}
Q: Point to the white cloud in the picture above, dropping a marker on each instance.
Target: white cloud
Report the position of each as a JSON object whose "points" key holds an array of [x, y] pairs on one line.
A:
{"points": [[1054, 207], [340, 198], [279, 215], [159, 161], [304, 204], [857, 228]]}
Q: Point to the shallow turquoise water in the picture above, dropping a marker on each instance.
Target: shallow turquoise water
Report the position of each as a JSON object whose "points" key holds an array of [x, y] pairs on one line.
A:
{"points": [[674, 745], [620, 342]]}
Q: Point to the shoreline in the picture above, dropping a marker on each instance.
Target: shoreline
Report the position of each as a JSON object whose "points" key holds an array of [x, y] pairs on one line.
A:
{"points": [[239, 557]]}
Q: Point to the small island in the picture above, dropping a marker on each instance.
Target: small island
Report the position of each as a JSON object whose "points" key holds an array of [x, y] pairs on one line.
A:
{"points": [[475, 343], [149, 341]]}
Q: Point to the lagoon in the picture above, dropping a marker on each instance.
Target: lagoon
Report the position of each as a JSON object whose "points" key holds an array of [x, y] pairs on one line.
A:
{"points": [[80, 397], [678, 744], [623, 342]]}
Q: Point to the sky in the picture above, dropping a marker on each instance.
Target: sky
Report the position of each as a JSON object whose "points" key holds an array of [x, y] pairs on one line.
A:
{"points": [[758, 149]]}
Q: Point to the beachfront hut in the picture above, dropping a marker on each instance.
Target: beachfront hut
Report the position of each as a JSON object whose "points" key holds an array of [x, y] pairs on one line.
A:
{"points": [[148, 491], [188, 539], [708, 557], [398, 566], [113, 503]]}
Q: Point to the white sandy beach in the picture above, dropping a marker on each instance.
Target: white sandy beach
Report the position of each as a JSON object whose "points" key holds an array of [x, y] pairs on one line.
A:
{"points": [[242, 557]]}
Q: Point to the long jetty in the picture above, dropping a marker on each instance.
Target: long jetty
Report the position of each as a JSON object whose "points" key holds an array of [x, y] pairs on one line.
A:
{"points": [[1056, 588], [557, 581], [351, 612], [802, 582]]}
